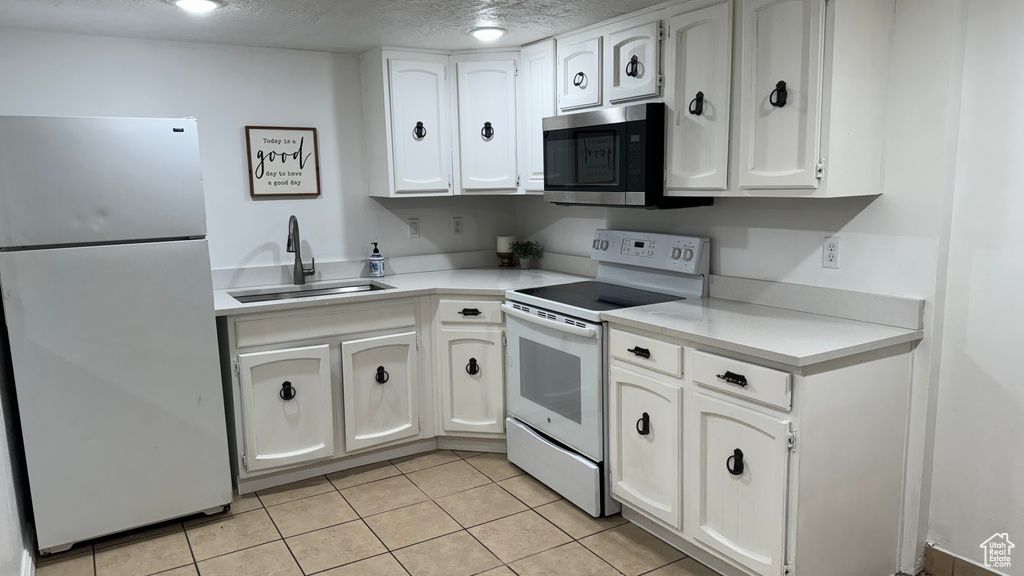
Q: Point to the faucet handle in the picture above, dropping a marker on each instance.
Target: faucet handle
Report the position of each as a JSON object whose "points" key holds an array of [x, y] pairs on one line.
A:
{"points": [[289, 247], [312, 268]]}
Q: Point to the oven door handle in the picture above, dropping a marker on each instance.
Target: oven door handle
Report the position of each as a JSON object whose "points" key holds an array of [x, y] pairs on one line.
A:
{"points": [[575, 330]]}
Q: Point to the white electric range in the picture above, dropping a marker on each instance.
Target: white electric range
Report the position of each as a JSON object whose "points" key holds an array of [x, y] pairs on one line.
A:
{"points": [[557, 360]]}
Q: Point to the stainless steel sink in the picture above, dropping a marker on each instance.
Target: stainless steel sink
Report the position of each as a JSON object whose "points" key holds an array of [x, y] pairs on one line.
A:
{"points": [[307, 291]]}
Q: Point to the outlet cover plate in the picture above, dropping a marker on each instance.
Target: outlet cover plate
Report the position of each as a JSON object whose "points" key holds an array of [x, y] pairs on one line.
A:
{"points": [[830, 253]]}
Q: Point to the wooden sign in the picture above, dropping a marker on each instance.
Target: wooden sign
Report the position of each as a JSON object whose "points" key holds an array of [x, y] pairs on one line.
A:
{"points": [[283, 162]]}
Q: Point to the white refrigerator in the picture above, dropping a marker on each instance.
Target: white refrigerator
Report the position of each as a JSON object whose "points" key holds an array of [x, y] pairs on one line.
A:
{"points": [[110, 327]]}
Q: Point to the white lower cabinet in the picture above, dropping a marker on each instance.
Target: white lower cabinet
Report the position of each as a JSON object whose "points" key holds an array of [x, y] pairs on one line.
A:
{"points": [[472, 370], [646, 444], [737, 484], [287, 406], [379, 390]]}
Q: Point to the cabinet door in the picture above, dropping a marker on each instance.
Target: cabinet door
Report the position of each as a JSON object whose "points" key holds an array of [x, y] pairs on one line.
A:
{"points": [[536, 102], [379, 390], [737, 486], [579, 72], [631, 62], [287, 406], [646, 444], [419, 126], [472, 381], [782, 42], [698, 70], [487, 125]]}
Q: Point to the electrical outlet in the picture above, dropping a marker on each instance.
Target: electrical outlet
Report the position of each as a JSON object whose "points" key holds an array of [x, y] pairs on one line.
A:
{"points": [[414, 227], [830, 253], [456, 225]]}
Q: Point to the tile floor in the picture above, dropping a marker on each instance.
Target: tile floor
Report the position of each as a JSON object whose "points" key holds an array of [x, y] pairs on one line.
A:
{"points": [[442, 513]]}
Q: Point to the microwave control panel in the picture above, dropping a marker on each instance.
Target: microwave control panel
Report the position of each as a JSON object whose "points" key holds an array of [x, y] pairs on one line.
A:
{"points": [[685, 254]]}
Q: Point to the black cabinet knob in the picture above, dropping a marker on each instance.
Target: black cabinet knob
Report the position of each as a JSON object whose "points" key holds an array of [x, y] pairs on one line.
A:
{"points": [[697, 104], [643, 425], [473, 368], [734, 464], [633, 67], [487, 132], [419, 132], [779, 96], [287, 391], [579, 79], [382, 375]]}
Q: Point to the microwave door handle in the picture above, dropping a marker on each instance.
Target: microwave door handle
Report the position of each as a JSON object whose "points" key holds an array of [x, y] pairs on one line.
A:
{"points": [[575, 330]]}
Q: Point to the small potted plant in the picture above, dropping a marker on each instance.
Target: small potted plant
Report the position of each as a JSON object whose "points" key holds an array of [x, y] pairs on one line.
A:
{"points": [[526, 252]]}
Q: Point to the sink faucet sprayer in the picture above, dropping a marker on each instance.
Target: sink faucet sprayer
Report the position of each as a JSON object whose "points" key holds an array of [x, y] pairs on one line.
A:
{"points": [[299, 272]]}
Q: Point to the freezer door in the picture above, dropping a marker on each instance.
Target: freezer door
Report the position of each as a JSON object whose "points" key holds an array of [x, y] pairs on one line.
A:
{"points": [[97, 180], [116, 369]]}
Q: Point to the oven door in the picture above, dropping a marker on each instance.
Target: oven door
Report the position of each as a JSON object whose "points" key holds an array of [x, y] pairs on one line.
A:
{"points": [[556, 379]]}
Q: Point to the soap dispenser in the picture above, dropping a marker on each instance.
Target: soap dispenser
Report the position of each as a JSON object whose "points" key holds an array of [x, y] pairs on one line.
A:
{"points": [[376, 262]]}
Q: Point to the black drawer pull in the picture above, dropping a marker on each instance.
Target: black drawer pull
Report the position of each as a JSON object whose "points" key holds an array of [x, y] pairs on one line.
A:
{"points": [[733, 378], [579, 79], [734, 464], [643, 425], [469, 312], [382, 375], [473, 368], [287, 391], [641, 352]]}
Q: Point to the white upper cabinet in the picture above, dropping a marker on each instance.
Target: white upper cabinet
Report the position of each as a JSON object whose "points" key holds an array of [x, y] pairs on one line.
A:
{"points": [[738, 484], [287, 406], [406, 110], [579, 71], [781, 79], [486, 96], [379, 390], [537, 101], [632, 62], [698, 97]]}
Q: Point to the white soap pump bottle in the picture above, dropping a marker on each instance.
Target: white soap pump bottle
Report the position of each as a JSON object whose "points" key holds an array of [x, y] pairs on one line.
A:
{"points": [[376, 262]]}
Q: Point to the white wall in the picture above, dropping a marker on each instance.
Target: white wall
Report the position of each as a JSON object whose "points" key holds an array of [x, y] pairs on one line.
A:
{"points": [[893, 244], [227, 88], [978, 476]]}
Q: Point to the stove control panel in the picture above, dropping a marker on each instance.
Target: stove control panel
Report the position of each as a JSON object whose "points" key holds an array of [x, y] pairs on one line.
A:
{"points": [[684, 254]]}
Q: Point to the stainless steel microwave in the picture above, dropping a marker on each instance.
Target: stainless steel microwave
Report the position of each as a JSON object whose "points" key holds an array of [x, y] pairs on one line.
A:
{"points": [[611, 157]]}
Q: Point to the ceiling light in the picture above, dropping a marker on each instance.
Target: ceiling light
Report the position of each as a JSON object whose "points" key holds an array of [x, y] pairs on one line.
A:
{"points": [[197, 6], [487, 33]]}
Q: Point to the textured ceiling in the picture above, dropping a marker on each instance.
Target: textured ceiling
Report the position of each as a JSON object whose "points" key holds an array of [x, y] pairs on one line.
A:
{"points": [[330, 25]]}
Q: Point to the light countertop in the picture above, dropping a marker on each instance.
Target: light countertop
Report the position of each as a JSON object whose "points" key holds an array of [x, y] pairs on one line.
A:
{"points": [[473, 281], [785, 336]]}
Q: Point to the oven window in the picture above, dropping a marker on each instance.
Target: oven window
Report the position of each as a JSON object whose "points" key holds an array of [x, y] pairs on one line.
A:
{"points": [[550, 378]]}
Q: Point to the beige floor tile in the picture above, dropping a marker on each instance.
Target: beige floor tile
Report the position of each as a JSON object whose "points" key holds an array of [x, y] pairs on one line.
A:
{"points": [[569, 560], [383, 565], [79, 564], [519, 536], [363, 475], [448, 479], [529, 490], [334, 546], [239, 505], [273, 559], [457, 554], [232, 534], [467, 453], [147, 555], [576, 522], [189, 570], [425, 460], [499, 571], [495, 466], [685, 567], [480, 505], [313, 513], [383, 495], [295, 490], [631, 550], [411, 525]]}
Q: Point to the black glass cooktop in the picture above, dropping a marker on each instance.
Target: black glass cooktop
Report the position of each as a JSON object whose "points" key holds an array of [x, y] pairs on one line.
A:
{"points": [[598, 296]]}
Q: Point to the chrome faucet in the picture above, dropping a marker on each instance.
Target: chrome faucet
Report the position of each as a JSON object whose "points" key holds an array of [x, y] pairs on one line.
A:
{"points": [[299, 272]]}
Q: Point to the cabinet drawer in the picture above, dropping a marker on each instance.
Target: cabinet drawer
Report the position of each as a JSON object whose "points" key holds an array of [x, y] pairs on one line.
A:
{"points": [[469, 312], [757, 383], [652, 354]]}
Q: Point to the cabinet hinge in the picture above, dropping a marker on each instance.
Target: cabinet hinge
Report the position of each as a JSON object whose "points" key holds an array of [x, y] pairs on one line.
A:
{"points": [[449, 181], [515, 69], [419, 422], [791, 441], [788, 568], [661, 80], [245, 461], [819, 171], [504, 342], [661, 32], [517, 180], [419, 342], [238, 367], [445, 72]]}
